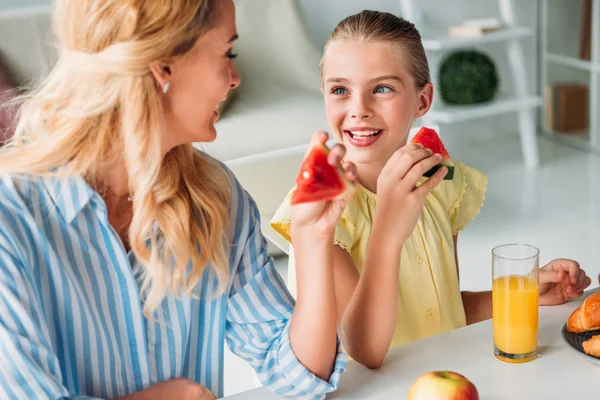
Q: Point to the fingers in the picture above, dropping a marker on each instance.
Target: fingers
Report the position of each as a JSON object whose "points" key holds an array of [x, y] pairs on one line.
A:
{"points": [[573, 268], [417, 170], [576, 289], [564, 267], [573, 278], [337, 154], [583, 281], [390, 166], [318, 138], [432, 182], [550, 276], [412, 165], [350, 171]]}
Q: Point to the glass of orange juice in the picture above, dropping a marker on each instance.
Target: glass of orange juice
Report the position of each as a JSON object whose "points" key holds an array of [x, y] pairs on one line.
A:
{"points": [[515, 274]]}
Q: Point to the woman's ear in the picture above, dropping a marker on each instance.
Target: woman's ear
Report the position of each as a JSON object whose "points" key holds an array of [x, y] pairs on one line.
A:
{"points": [[425, 99], [162, 73]]}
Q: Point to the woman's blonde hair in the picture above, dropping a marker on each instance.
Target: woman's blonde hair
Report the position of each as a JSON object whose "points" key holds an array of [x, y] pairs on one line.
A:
{"points": [[386, 28], [101, 105]]}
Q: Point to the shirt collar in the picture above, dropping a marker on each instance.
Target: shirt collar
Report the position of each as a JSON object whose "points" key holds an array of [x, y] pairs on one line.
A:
{"points": [[70, 194]]}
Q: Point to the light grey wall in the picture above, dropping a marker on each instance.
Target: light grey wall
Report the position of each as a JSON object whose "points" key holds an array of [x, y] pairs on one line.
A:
{"points": [[6, 4]]}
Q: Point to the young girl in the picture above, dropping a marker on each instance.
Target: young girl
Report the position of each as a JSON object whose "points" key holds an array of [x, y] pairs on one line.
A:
{"points": [[395, 263]]}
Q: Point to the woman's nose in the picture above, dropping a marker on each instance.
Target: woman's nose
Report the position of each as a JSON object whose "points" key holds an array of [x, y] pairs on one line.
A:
{"points": [[235, 78]]}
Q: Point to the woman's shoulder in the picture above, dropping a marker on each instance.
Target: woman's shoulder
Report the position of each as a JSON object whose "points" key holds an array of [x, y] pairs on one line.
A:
{"points": [[19, 197], [238, 193], [16, 190], [243, 210], [221, 167], [43, 196]]}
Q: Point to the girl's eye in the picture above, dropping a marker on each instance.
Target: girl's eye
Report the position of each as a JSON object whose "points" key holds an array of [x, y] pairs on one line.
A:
{"points": [[230, 54], [339, 91], [383, 89]]}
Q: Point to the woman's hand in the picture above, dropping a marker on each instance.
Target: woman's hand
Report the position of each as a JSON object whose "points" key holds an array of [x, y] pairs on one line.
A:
{"points": [[399, 200], [318, 219]]}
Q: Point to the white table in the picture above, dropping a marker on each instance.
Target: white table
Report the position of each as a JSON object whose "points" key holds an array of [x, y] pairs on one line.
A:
{"points": [[558, 373]]}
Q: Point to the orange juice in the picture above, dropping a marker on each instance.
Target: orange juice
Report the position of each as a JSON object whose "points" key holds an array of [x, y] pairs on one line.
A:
{"points": [[515, 318]]}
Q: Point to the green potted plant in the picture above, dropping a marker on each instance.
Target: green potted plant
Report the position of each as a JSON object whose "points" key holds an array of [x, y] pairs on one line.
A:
{"points": [[468, 77]]}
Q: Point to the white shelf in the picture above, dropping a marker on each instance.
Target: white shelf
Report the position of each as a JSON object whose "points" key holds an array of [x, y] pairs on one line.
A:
{"points": [[560, 25], [437, 42], [441, 41], [571, 62], [503, 103]]}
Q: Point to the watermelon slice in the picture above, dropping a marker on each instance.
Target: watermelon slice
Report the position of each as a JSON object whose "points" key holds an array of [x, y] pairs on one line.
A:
{"points": [[430, 140], [318, 180]]}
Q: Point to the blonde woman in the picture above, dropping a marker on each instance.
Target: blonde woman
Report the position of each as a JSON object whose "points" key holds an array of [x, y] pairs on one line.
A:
{"points": [[127, 258]]}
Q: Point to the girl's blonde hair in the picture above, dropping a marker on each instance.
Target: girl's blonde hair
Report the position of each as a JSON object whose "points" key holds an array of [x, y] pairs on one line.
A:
{"points": [[383, 27], [101, 106]]}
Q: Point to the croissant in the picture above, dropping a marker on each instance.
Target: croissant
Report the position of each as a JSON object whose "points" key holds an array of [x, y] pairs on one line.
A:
{"points": [[592, 346], [587, 316]]}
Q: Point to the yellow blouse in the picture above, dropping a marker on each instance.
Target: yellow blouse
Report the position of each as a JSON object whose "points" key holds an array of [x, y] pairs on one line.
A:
{"points": [[429, 297]]}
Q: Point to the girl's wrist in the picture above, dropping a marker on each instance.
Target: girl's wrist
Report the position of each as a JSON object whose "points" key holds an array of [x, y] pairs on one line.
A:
{"points": [[310, 232], [302, 236]]}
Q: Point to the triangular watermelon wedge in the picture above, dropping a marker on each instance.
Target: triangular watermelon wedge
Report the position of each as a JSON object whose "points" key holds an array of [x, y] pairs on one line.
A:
{"points": [[429, 139], [318, 180]]}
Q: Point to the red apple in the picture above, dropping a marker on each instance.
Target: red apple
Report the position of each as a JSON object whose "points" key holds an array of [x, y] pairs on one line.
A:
{"points": [[442, 385]]}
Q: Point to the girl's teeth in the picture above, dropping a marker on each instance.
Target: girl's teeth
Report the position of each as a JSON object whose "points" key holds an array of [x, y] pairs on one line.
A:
{"points": [[364, 133]]}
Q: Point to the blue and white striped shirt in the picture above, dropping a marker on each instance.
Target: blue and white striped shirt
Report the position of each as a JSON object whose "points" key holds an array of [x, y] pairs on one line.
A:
{"points": [[71, 322]]}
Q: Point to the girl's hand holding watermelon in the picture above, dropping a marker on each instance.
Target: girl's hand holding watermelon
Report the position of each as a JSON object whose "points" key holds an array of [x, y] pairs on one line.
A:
{"points": [[323, 191], [399, 200], [318, 215]]}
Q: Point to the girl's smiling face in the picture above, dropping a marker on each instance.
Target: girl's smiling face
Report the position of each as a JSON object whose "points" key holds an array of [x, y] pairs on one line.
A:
{"points": [[371, 98]]}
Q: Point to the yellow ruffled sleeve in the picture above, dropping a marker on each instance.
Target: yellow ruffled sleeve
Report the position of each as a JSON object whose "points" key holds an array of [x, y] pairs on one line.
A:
{"points": [[344, 229], [466, 196], [281, 224], [281, 219]]}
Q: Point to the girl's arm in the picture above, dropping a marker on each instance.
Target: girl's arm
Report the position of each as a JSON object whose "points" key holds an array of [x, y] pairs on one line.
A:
{"points": [[559, 281], [313, 332], [367, 305], [477, 305], [313, 329]]}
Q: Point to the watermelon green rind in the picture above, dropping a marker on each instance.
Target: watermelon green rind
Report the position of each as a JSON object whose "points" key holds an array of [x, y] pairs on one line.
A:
{"points": [[432, 171]]}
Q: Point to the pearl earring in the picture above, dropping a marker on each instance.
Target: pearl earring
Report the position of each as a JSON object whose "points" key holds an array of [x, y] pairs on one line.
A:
{"points": [[166, 87]]}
